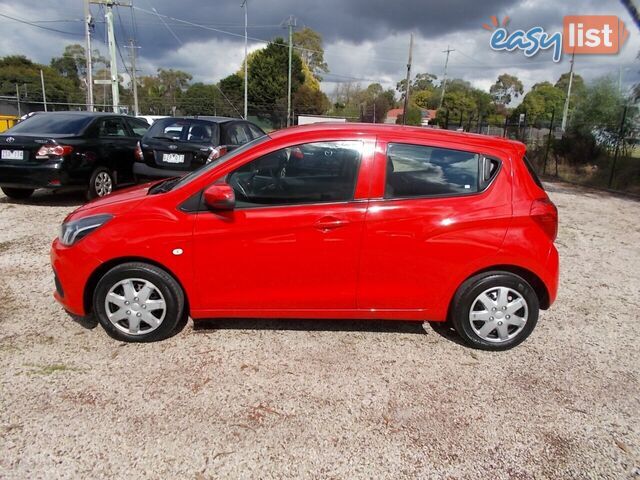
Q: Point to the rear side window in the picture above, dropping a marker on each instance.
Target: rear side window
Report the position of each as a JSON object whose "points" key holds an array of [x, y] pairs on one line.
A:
{"points": [[112, 127], [421, 171]]}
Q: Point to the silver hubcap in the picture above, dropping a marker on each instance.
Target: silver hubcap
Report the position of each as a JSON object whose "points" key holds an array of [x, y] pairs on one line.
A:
{"points": [[103, 184], [498, 314], [135, 306]]}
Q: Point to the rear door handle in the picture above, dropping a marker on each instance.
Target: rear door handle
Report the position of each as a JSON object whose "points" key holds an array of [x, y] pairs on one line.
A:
{"points": [[330, 223]]}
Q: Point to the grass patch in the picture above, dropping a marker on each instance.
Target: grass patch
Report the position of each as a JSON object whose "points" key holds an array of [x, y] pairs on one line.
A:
{"points": [[51, 369]]}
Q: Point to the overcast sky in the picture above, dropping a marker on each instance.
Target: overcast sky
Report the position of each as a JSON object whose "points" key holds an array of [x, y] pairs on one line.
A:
{"points": [[365, 40]]}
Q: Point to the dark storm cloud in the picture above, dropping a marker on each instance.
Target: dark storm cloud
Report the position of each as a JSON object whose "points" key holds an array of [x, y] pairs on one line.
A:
{"points": [[351, 20]]}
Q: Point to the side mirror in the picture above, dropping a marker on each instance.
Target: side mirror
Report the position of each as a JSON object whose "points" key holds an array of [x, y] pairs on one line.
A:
{"points": [[220, 196]]}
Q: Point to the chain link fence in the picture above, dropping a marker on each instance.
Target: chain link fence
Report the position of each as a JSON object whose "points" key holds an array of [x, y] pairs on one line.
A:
{"points": [[607, 157]]}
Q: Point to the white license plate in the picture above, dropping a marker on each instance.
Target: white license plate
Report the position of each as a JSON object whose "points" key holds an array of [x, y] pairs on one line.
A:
{"points": [[12, 154], [172, 158]]}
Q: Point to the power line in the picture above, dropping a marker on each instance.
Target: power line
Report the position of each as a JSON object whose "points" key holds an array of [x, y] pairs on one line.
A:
{"points": [[26, 22], [162, 20]]}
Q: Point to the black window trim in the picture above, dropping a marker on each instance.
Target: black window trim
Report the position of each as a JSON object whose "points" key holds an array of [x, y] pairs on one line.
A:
{"points": [[189, 205], [482, 158]]}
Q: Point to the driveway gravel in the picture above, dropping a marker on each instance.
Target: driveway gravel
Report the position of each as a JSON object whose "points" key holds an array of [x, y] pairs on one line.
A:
{"points": [[326, 399]]}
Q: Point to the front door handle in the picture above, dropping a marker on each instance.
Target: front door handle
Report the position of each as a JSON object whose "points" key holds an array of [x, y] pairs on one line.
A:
{"points": [[330, 223]]}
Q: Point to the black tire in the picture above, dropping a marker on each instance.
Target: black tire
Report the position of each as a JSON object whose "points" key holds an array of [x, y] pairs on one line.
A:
{"points": [[17, 193], [464, 300], [98, 175], [168, 287]]}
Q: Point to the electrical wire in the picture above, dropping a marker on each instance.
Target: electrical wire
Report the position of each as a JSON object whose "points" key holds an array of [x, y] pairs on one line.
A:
{"points": [[26, 22]]}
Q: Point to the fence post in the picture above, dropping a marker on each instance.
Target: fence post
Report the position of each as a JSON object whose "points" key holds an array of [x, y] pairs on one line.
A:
{"points": [[546, 153], [617, 152], [504, 130]]}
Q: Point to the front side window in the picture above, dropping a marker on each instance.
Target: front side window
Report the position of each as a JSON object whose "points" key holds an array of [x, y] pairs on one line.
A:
{"points": [[236, 134], [138, 126], [309, 173], [420, 171]]}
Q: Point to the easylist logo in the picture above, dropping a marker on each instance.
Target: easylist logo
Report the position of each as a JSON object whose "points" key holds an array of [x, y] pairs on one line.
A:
{"points": [[582, 34], [594, 34]]}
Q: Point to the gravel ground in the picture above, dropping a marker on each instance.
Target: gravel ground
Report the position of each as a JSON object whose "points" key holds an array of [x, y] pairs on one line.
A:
{"points": [[293, 399]]}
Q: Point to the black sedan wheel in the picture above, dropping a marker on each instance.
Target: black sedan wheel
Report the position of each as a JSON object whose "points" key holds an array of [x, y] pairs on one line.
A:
{"points": [[101, 183]]}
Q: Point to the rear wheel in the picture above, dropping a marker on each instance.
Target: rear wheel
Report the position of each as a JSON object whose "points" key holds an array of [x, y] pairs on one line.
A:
{"points": [[101, 183], [495, 310], [17, 193], [138, 302]]}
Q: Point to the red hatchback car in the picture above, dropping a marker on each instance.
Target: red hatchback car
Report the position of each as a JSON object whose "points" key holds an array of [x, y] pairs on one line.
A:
{"points": [[345, 221]]}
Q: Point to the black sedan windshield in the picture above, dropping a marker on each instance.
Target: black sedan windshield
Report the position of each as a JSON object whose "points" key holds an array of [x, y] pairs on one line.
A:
{"points": [[53, 123]]}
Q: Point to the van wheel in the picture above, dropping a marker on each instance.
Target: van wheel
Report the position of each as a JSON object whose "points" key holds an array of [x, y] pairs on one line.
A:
{"points": [[101, 183], [17, 193], [495, 310], [138, 302]]}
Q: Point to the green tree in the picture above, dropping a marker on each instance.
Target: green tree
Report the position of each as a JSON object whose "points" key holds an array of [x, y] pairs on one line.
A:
{"points": [[201, 99], [421, 82], [309, 101], [233, 99], [268, 80], [310, 48], [19, 70], [540, 102], [506, 88], [599, 112]]}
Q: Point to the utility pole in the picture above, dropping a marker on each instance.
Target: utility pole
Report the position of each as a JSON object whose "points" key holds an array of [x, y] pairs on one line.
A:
{"points": [[88, 22], [444, 77], [565, 111], [246, 62], [408, 85], [18, 99], [113, 62], [291, 23], [44, 93], [134, 78]]}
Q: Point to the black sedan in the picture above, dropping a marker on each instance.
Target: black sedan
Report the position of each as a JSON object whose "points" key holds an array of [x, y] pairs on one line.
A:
{"points": [[176, 145], [92, 151]]}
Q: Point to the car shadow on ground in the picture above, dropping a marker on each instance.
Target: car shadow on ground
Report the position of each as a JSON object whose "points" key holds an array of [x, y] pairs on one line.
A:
{"points": [[44, 198], [327, 325]]}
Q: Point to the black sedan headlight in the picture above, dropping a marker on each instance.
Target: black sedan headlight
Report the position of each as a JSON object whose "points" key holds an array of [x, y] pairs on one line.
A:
{"points": [[71, 232]]}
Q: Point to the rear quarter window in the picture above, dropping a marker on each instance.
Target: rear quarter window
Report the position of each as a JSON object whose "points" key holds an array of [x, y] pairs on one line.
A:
{"points": [[532, 172]]}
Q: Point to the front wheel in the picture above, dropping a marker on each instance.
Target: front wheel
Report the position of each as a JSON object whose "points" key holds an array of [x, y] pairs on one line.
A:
{"points": [[495, 310], [17, 193], [138, 302], [101, 183]]}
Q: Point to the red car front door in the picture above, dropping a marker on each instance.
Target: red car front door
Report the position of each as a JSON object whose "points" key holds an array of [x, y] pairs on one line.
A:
{"points": [[292, 243]]}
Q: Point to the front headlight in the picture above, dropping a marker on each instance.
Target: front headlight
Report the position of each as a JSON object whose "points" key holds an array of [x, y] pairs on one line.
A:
{"points": [[71, 232]]}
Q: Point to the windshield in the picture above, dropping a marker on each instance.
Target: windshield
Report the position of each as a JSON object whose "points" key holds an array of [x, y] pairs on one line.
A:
{"points": [[225, 158], [54, 123], [185, 130]]}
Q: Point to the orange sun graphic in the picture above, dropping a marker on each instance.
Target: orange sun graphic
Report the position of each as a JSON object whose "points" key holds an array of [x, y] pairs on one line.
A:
{"points": [[495, 22]]}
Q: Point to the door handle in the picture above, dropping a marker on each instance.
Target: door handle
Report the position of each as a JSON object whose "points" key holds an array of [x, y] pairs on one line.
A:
{"points": [[330, 223]]}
